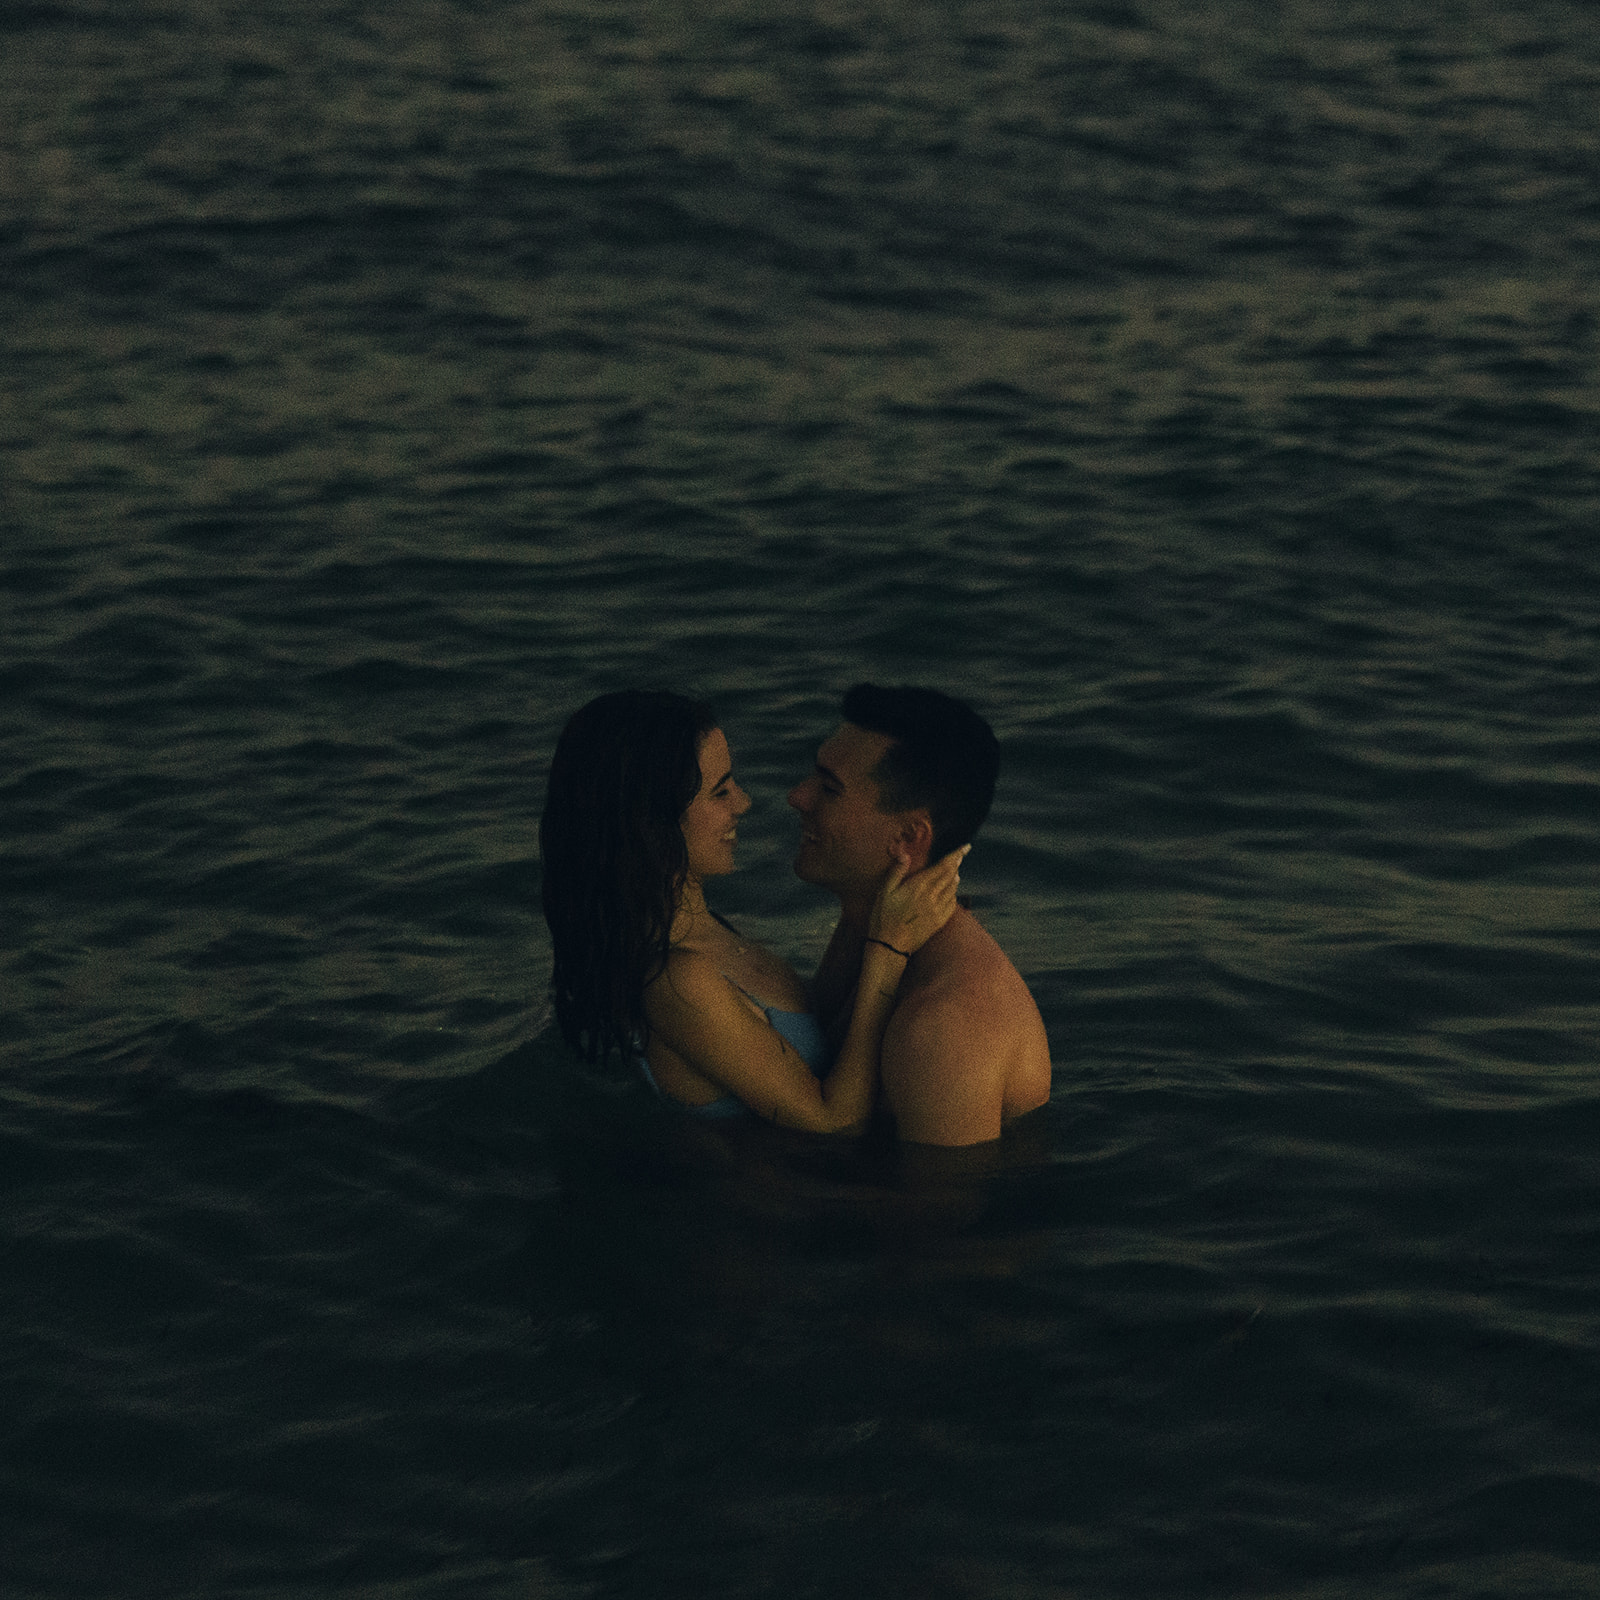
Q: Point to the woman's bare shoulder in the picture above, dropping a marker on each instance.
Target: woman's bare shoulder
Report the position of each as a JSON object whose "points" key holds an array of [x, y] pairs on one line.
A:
{"points": [[686, 976]]}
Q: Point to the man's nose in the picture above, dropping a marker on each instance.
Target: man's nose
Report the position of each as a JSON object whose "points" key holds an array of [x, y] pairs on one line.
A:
{"points": [[797, 795]]}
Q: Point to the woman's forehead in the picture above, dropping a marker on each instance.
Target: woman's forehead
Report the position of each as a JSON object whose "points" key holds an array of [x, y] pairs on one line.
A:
{"points": [[714, 757]]}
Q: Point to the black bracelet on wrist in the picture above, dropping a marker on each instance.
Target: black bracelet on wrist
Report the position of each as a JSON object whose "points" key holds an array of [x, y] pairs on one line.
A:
{"points": [[905, 955]]}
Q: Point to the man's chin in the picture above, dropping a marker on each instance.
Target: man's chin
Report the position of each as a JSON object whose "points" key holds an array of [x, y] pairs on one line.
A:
{"points": [[809, 867]]}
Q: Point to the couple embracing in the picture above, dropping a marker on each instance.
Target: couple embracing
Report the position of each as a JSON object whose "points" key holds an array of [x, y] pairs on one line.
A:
{"points": [[914, 1011]]}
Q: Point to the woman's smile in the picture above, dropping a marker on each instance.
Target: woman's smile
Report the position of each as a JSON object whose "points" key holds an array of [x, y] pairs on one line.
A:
{"points": [[710, 825]]}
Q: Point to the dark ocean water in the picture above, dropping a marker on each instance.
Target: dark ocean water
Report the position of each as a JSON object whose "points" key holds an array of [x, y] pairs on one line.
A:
{"points": [[1208, 391]]}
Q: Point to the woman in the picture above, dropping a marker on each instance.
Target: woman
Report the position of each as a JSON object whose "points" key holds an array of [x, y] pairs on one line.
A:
{"points": [[642, 808]]}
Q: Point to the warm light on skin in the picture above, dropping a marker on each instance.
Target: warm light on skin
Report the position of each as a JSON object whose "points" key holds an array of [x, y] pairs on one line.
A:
{"points": [[846, 843], [711, 819]]}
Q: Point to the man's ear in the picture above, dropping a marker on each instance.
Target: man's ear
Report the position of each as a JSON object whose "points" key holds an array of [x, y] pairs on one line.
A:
{"points": [[915, 832]]}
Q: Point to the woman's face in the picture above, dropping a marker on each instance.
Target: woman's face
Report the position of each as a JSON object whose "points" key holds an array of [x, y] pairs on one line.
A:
{"points": [[712, 817]]}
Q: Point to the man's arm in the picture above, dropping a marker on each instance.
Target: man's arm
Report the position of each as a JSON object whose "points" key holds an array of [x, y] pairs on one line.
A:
{"points": [[943, 1077]]}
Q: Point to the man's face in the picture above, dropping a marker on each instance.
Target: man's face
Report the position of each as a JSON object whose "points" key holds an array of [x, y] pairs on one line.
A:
{"points": [[845, 840]]}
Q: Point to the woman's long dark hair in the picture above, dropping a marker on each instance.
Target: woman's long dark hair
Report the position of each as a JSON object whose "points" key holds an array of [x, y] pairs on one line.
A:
{"points": [[624, 771]]}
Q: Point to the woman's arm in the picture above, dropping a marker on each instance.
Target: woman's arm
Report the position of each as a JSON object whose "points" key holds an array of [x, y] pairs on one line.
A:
{"points": [[697, 1012]]}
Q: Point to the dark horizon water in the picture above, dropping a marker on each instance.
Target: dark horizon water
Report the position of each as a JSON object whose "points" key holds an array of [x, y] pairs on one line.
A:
{"points": [[1208, 392]]}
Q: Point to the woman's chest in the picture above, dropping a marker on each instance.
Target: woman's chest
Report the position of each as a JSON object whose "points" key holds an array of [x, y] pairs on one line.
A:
{"points": [[762, 975]]}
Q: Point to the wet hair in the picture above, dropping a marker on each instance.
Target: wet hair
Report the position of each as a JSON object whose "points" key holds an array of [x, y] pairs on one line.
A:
{"points": [[614, 859], [944, 759]]}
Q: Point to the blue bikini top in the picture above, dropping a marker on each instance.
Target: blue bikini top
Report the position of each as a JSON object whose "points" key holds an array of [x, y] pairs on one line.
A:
{"points": [[800, 1028]]}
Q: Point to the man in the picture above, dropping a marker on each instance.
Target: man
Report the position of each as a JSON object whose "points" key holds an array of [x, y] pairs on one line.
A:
{"points": [[911, 773]]}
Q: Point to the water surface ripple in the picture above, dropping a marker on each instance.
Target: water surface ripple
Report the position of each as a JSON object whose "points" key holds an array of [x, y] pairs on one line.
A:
{"points": [[1207, 391]]}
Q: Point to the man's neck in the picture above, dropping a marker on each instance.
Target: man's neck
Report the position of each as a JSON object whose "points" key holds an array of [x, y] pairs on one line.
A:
{"points": [[850, 937], [855, 910], [855, 913], [835, 979]]}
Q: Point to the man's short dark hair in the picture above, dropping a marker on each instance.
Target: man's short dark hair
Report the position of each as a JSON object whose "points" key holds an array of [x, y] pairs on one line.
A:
{"points": [[944, 759]]}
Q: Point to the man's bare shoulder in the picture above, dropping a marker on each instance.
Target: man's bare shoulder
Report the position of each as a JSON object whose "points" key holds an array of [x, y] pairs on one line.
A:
{"points": [[964, 967], [966, 1046]]}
